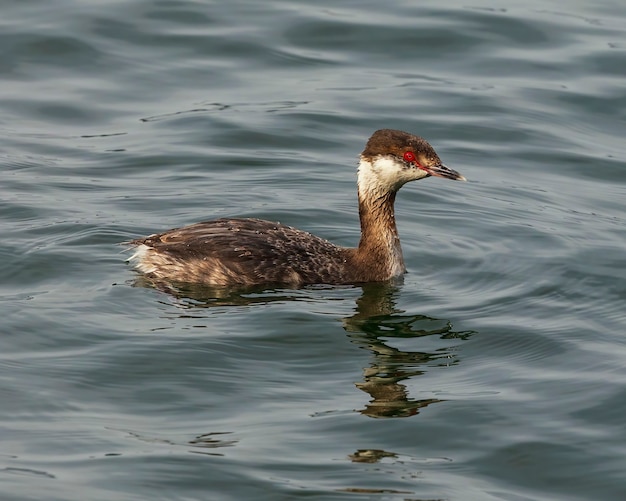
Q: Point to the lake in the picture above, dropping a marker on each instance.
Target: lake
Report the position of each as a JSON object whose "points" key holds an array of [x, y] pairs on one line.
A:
{"points": [[495, 370]]}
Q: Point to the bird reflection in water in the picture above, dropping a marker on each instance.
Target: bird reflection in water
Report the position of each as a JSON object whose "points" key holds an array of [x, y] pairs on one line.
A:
{"points": [[375, 324]]}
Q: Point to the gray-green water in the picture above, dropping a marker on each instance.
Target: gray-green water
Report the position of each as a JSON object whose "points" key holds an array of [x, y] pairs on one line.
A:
{"points": [[495, 371]]}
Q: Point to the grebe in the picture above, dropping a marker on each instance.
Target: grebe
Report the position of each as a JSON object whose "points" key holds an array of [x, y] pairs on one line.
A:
{"points": [[246, 252]]}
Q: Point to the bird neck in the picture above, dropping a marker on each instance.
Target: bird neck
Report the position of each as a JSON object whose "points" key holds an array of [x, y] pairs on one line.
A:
{"points": [[379, 248]]}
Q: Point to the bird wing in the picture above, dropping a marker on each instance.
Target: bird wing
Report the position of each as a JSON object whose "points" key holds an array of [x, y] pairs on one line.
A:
{"points": [[271, 251]]}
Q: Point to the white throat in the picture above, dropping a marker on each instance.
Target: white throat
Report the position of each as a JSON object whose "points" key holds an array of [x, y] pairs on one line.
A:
{"points": [[378, 177]]}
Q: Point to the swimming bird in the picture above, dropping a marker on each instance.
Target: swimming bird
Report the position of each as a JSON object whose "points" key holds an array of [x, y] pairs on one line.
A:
{"points": [[248, 252]]}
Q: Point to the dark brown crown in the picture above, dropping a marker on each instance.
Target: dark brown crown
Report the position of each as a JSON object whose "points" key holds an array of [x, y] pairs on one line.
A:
{"points": [[397, 142]]}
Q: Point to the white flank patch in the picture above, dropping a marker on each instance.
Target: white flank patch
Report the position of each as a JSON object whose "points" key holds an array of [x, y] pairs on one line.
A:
{"points": [[140, 261]]}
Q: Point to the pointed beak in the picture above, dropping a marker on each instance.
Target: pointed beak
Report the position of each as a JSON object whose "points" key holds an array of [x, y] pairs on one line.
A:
{"points": [[443, 171]]}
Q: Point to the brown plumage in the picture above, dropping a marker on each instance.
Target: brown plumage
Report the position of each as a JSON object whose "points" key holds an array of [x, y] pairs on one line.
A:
{"points": [[245, 252]]}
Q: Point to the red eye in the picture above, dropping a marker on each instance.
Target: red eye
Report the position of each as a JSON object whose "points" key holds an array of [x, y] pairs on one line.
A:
{"points": [[409, 156]]}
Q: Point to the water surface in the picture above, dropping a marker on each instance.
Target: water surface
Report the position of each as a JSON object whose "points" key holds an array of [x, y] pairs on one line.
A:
{"points": [[494, 370]]}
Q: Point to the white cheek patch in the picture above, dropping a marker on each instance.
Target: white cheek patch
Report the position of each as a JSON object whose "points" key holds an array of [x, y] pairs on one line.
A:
{"points": [[386, 174]]}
